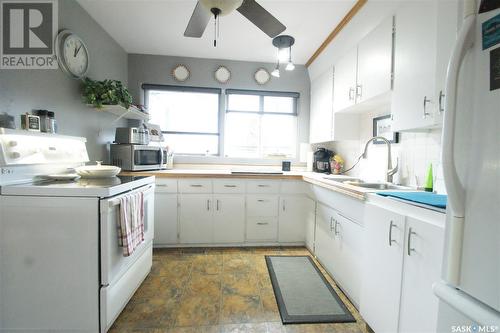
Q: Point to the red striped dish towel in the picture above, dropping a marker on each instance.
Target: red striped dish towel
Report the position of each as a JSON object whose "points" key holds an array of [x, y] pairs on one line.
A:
{"points": [[131, 222]]}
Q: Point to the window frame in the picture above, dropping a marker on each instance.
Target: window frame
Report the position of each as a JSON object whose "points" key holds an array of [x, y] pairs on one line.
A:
{"points": [[220, 158], [262, 94], [159, 87]]}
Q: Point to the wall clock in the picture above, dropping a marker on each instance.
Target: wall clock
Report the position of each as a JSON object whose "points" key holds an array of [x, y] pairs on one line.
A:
{"points": [[222, 74], [262, 76], [72, 54], [181, 73]]}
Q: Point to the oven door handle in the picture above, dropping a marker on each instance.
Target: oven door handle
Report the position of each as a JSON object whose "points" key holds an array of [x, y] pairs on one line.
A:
{"points": [[116, 201]]}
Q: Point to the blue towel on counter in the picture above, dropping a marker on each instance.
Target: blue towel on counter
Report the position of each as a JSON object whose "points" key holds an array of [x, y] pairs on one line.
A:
{"points": [[426, 198]]}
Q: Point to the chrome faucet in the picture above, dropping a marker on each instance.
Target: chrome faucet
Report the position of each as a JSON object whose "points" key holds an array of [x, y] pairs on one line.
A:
{"points": [[390, 170]]}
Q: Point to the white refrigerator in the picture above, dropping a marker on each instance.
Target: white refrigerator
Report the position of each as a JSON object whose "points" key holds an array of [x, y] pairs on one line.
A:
{"points": [[469, 292]]}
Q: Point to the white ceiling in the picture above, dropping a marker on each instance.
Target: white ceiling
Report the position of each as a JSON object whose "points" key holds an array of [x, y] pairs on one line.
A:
{"points": [[157, 27]]}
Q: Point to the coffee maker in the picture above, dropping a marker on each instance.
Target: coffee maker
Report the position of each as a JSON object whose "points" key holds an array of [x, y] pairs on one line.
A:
{"points": [[322, 160]]}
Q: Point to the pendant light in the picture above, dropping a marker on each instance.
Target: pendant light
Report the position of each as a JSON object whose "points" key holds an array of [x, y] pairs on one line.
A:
{"points": [[284, 45]]}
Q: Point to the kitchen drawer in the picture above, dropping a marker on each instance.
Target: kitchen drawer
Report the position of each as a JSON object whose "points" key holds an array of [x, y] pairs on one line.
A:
{"points": [[166, 185], [263, 186], [262, 205], [262, 229], [195, 185], [294, 187], [229, 186]]}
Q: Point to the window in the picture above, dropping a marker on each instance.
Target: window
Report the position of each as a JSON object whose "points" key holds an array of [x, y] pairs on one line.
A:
{"points": [[260, 124], [188, 117]]}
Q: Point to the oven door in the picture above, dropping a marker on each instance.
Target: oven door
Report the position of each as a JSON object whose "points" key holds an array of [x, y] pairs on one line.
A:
{"points": [[121, 276], [113, 263], [147, 158]]}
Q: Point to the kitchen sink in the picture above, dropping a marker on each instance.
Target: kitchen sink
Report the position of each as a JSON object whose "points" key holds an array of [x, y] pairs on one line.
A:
{"points": [[378, 186]]}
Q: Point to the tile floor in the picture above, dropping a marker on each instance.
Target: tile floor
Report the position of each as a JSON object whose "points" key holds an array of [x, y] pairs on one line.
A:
{"points": [[215, 290]]}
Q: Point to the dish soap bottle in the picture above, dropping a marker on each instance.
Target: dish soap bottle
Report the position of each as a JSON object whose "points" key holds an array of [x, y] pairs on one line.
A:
{"points": [[429, 180]]}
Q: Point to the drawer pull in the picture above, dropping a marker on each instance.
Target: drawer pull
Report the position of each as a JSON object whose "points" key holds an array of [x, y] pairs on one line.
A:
{"points": [[230, 186], [161, 185], [262, 223], [261, 185], [262, 200], [196, 185]]}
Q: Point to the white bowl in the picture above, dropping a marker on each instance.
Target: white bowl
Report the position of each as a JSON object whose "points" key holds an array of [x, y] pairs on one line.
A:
{"points": [[97, 171]]}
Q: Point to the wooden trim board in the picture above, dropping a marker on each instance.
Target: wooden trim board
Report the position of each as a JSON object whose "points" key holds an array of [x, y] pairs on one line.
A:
{"points": [[347, 18]]}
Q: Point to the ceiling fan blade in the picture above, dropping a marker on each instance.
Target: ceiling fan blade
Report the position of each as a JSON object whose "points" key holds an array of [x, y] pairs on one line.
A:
{"points": [[198, 21], [256, 14]]}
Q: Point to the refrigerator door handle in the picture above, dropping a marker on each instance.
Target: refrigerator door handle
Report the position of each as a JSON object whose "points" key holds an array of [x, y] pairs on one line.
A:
{"points": [[456, 196]]}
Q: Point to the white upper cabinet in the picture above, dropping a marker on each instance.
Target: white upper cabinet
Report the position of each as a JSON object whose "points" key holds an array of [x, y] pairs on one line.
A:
{"points": [[425, 35], [321, 114], [413, 98], [365, 73], [447, 29], [375, 62], [344, 90]]}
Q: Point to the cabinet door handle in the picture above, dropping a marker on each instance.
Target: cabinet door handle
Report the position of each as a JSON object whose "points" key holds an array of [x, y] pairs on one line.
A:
{"points": [[229, 185], [410, 249], [392, 225], [217, 204], [196, 185], [335, 228], [359, 90], [426, 100], [331, 223], [208, 204], [262, 223], [283, 205], [351, 93], [441, 97]]}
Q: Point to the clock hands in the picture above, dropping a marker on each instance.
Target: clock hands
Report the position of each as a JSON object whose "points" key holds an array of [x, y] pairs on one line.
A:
{"points": [[77, 50]]}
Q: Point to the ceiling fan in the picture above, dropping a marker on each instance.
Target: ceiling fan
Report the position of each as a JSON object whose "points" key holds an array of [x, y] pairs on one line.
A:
{"points": [[255, 13]]}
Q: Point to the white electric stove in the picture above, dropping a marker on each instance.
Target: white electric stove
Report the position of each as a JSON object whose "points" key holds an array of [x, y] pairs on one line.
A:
{"points": [[61, 268]]}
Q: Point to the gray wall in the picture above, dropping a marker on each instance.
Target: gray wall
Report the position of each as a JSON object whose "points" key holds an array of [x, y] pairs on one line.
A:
{"points": [[24, 90], [157, 70]]}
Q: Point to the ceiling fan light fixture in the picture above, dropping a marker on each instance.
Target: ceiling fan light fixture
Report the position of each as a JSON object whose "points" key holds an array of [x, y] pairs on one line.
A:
{"points": [[290, 66], [284, 45], [225, 6], [276, 72]]}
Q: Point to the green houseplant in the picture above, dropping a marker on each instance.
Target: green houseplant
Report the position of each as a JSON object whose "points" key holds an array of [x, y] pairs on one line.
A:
{"points": [[106, 92]]}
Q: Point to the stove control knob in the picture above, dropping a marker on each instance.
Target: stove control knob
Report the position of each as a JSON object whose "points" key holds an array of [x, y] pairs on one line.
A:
{"points": [[13, 143], [15, 155]]}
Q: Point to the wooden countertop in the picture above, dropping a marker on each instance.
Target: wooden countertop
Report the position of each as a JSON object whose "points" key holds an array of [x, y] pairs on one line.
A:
{"points": [[309, 177]]}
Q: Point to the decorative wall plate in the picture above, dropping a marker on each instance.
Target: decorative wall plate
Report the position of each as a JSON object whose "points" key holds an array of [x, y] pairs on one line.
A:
{"points": [[222, 74], [181, 73], [262, 76]]}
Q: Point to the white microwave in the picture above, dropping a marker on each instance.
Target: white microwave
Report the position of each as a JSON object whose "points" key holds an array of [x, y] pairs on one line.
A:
{"points": [[132, 157]]}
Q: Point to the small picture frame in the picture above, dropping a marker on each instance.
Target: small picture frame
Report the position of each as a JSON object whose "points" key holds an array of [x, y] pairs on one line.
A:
{"points": [[382, 127]]}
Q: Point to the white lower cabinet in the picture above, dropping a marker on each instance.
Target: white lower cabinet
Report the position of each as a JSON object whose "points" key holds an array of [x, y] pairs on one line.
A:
{"points": [[229, 218], [421, 268], [195, 219], [338, 246], [165, 219], [205, 219], [402, 260], [382, 268], [294, 212]]}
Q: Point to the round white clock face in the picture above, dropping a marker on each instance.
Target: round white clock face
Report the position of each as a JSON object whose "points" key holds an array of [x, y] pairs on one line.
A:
{"points": [[181, 73], [222, 74], [262, 76], [73, 55]]}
